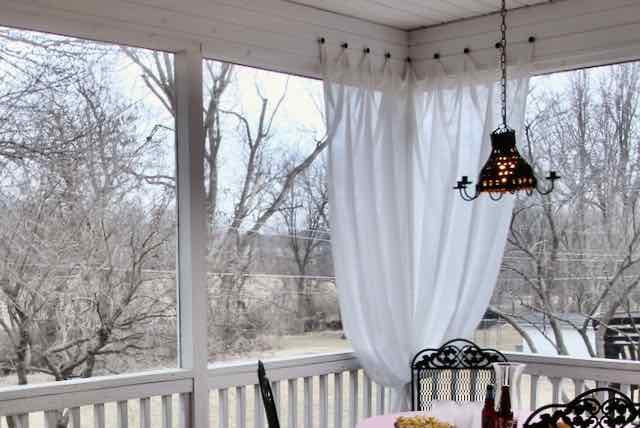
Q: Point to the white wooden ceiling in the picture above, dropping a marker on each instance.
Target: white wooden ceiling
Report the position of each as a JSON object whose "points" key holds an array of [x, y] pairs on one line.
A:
{"points": [[413, 14]]}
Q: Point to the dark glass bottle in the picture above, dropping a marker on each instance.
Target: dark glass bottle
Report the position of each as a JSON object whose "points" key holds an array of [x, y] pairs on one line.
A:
{"points": [[505, 413], [489, 415]]}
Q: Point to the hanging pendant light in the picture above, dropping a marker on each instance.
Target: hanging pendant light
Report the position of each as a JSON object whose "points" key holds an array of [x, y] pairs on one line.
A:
{"points": [[505, 171]]}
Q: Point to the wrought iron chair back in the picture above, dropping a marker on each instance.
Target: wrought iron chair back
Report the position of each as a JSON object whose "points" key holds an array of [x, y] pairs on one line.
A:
{"points": [[459, 370], [595, 408], [267, 397]]}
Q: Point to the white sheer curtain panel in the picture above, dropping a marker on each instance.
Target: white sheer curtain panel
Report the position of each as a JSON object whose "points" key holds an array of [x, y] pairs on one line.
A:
{"points": [[415, 265]]}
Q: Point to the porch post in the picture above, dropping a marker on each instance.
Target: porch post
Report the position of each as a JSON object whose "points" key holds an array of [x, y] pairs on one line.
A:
{"points": [[192, 286]]}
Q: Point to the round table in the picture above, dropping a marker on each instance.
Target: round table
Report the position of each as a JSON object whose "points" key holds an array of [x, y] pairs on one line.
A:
{"points": [[464, 415]]}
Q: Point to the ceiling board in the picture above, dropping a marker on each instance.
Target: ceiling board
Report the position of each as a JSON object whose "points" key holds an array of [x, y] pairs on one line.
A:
{"points": [[413, 14]]}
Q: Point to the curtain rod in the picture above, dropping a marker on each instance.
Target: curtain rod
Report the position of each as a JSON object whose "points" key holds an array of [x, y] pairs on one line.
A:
{"points": [[436, 56]]}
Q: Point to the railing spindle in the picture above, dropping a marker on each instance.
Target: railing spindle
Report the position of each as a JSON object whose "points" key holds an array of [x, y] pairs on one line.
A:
{"points": [[533, 395], [387, 404], [23, 420], [185, 410], [122, 414], [51, 418], [366, 396], [275, 389], [145, 412], [353, 398], [293, 402], [520, 390], [555, 383], [223, 408], [324, 399], [74, 417], [308, 402], [241, 407], [380, 399], [258, 408], [98, 415], [337, 396], [167, 411]]}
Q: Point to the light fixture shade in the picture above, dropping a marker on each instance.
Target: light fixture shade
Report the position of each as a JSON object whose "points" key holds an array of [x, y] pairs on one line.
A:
{"points": [[505, 170]]}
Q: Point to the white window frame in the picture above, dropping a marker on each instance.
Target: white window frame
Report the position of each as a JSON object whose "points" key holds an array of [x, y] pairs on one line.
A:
{"points": [[192, 282]]}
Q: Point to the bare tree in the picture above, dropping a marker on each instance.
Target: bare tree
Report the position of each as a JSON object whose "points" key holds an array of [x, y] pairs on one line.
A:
{"points": [[264, 180], [576, 254], [86, 241], [306, 218]]}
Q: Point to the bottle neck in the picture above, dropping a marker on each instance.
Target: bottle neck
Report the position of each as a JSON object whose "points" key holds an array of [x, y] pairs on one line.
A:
{"points": [[489, 404], [490, 398], [505, 401]]}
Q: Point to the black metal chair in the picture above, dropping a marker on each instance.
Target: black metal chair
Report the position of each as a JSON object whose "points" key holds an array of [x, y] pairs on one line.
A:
{"points": [[267, 397], [459, 371], [595, 408]]}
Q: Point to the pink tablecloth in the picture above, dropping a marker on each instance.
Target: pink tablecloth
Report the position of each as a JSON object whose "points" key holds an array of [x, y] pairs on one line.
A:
{"points": [[464, 416]]}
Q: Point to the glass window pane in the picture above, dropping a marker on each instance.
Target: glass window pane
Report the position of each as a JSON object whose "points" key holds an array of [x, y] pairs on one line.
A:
{"points": [[87, 209], [571, 269], [271, 281]]}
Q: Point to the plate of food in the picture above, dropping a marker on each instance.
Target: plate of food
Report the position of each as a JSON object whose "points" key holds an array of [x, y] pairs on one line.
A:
{"points": [[420, 421]]}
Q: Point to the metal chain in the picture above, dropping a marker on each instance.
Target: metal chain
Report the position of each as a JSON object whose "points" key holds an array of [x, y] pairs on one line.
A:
{"points": [[503, 61]]}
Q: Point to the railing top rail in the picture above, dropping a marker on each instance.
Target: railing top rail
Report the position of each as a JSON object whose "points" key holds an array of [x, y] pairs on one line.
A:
{"points": [[574, 361], [56, 395], [101, 389], [599, 369], [334, 357], [296, 360], [227, 374]]}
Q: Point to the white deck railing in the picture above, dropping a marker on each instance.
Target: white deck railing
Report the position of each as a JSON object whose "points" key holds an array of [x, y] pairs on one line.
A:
{"points": [[85, 400], [557, 379], [320, 391], [328, 390]]}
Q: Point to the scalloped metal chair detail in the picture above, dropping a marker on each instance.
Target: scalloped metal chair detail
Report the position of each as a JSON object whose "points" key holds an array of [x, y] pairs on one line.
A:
{"points": [[459, 370]]}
